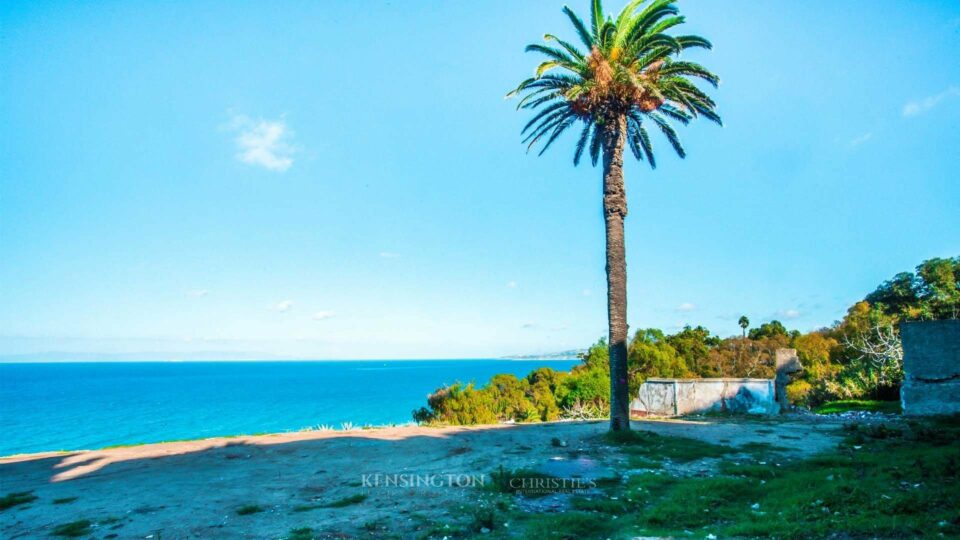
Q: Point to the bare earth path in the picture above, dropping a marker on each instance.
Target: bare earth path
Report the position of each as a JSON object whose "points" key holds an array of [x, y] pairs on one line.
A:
{"points": [[193, 489]]}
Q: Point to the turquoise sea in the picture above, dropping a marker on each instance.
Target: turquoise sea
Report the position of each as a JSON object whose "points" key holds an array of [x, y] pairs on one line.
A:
{"points": [[73, 406]]}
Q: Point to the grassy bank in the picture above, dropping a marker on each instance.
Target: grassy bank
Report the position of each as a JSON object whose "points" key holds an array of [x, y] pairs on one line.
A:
{"points": [[833, 407], [897, 480]]}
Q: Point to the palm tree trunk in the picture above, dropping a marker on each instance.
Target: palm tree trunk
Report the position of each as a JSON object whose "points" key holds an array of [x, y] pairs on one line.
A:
{"points": [[614, 212]]}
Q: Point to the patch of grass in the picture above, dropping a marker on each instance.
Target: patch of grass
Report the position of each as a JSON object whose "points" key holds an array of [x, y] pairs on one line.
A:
{"points": [[898, 481], [658, 447], [705, 501], [14, 499], [339, 503], [637, 461], [458, 451], [65, 500], [345, 501], [73, 529], [526, 482], [750, 470], [833, 407], [248, 509], [608, 481], [374, 526], [569, 526], [302, 533], [605, 505], [761, 448]]}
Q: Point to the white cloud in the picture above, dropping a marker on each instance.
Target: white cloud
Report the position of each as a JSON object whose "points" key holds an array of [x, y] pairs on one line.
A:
{"points": [[511, 284], [389, 255], [788, 314], [686, 307], [857, 141], [198, 293], [587, 292], [323, 315], [920, 106], [263, 142], [283, 306]]}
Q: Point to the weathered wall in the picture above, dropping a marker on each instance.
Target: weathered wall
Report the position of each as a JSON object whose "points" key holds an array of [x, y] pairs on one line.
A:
{"points": [[931, 367], [672, 397]]}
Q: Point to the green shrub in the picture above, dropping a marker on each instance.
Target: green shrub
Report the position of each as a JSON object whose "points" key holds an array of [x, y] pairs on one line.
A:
{"points": [[73, 529], [13, 499], [248, 509], [587, 386]]}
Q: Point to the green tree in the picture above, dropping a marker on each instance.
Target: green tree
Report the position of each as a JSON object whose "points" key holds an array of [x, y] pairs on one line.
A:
{"points": [[744, 323], [627, 78], [693, 345], [939, 288], [544, 390], [770, 329], [651, 355], [933, 292], [510, 398]]}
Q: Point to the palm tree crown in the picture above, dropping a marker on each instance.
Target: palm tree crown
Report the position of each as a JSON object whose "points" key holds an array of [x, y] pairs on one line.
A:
{"points": [[629, 70]]}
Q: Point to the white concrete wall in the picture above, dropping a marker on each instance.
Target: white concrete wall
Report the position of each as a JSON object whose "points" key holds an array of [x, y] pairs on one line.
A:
{"points": [[673, 397]]}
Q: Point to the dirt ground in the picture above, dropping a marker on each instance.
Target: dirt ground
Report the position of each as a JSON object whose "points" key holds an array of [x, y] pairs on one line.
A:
{"points": [[194, 489]]}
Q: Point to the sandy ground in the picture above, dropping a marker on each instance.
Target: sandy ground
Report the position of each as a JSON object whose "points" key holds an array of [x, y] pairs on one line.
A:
{"points": [[193, 489]]}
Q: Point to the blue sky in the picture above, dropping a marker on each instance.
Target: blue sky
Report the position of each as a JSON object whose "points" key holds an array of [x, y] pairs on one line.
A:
{"points": [[345, 179]]}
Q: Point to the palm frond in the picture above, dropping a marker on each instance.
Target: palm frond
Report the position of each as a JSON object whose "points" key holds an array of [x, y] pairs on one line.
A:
{"points": [[543, 129], [633, 139], [569, 47], [690, 69], [669, 133], [596, 19], [581, 29], [581, 143], [595, 144], [561, 127], [667, 24], [654, 12], [689, 42], [545, 125], [642, 138], [546, 111], [541, 100], [626, 14], [676, 114], [550, 52]]}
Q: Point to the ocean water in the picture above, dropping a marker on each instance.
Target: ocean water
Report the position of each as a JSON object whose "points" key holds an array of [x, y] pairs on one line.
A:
{"points": [[73, 406]]}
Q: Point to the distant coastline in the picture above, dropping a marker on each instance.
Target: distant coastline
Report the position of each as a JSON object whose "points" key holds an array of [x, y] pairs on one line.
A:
{"points": [[63, 358], [573, 354]]}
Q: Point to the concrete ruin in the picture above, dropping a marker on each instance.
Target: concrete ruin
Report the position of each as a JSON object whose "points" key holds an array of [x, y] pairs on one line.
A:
{"points": [[787, 364], [931, 367], [677, 397]]}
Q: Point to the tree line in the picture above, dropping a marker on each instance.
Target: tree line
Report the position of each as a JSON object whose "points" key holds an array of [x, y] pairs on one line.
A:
{"points": [[858, 357]]}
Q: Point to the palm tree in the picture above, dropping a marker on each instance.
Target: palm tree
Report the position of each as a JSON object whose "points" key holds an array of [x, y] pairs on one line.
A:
{"points": [[628, 78], [744, 323]]}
